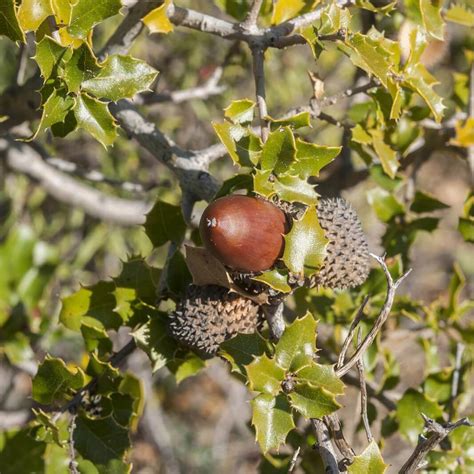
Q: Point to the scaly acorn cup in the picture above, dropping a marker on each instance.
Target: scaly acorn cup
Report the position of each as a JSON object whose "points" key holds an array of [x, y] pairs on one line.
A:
{"points": [[209, 315]]}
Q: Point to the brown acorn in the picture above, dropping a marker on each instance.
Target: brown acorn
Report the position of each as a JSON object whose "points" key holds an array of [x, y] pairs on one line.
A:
{"points": [[244, 233]]}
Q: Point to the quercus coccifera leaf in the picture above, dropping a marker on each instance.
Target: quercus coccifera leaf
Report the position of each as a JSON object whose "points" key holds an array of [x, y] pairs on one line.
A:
{"points": [[9, 25], [305, 244], [286, 9], [370, 461], [240, 111], [432, 20], [385, 204], [86, 14], [48, 56], [54, 381], [466, 221], [323, 376], [279, 151], [265, 375], [241, 350], [460, 14], [120, 77], [275, 279], [164, 223], [464, 133], [21, 452], [311, 158], [272, 419], [32, 13], [94, 116], [388, 156], [157, 20], [424, 202], [81, 66], [297, 346], [312, 402], [296, 121], [182, 369]]}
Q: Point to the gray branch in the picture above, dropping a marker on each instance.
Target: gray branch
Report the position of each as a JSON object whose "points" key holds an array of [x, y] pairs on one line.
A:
{"points": [[325, 447]]}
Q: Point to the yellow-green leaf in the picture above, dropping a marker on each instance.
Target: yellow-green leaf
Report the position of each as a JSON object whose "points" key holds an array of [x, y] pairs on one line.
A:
{"points": [[464, 133], [431, 15], [9, 25], [387, 156], [370, 461], [313, 402], [264, 375], [279, 151], [33, 12], [286, 9], [275, 280], [158, 21], [240, 111]]}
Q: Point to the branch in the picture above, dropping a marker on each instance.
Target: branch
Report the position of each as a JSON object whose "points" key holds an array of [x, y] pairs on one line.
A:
{"points": [[23, 158], [325, 447], [251, 21], [379, 322], [343, 446], [259, 74], [437, 432], [470, 149], [363, 395], [456, 373]]}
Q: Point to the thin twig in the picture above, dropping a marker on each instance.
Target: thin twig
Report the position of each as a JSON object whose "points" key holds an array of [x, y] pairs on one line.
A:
{"points": [[250, 21], [379, 322], [350, 335], [294, 460], [437, 432], [325, 447], [455, 383], [363, 394], [22, 63], [470, 149], [72, 452], [335, 426], [259, 75]]}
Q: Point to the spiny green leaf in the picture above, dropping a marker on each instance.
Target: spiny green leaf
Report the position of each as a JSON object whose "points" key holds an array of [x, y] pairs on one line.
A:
{"points": [[272, 419], [54, 380], [82, 66], [286, 9], [312, 158], [154, 340], [243, 147], [20, 452], [55, 110], [242, 349], [370, 461], [305, 244], [62, 11], [88, 13], [48, 55], [276, 280], [322, 376], [296, 121], [431, 15], [279, 151], [313, 402], [460, 14], [93, 116], [240, 111], [9, 25], [387, 156], [297, 346], [264, 375], [464, 133], [158, 21], [164, 223], [409, 409], [100, 440], [33, 12], [120, 77], [189, 367]]}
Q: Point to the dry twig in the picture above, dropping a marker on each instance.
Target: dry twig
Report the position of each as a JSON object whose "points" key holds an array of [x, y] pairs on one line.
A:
{"points": [[325, 447], [363, 395]]}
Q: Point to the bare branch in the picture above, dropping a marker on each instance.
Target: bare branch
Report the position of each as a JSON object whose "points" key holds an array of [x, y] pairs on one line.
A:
{"points": [[455, 383], [259, 74], [379, 322], [72, 452], [251, 21], [335, 426], [24, 159], [350, 335], [470, 150], [126, 33], [294, 460], [363, 394], [325, 447], [437, 432]]}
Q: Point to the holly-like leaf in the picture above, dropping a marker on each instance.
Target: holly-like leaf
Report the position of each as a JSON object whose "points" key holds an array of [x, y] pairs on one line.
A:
{"points": [[297, 346], [158, 21], [62, 11], [86, 14], [313, 402], [312, 158], [20, 452], [33, 12], [242, 349], [54, 380], [370, 461], [322, 376], [432, 20], [48, 55], [264, 375], [385, 204], [93, 116], [164, 223], [55, 110], [100, 440], [296, 121], [272, 419], [240, 111], [466, 221], [388, 156], [279, 151], [409, 410], [464, 133], [189, 367], [9, 25], [305, 244], [274, 279], [460, 14], [154, 340], [423, 202], [120, 77], [286, 9], [81, 67]]}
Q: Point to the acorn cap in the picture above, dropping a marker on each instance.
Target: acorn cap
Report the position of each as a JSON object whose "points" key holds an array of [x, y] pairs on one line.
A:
{"points": [[209, 315], [347, 261]]}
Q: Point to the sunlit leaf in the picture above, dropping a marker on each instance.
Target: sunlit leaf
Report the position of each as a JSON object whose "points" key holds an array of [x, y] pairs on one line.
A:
{"points": [[296, 121], [286, 9], [385, 204], [312, 402], [82, 66], [370, 461], [460, 14], [33, 12], [431, 15], [279, 151], [312, 158], [9, 25], [265, 375], [322, 376], [48, 55], [164, 223], [275, 280], [157, 21], [240, 111]]}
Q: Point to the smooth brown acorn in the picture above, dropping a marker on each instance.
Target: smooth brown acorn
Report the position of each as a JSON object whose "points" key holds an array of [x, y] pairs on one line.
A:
{"points": [[244, 233]]}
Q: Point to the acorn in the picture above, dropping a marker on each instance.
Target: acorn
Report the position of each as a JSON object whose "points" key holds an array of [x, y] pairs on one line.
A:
{"points": [[243, 232], [209, 315]]}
